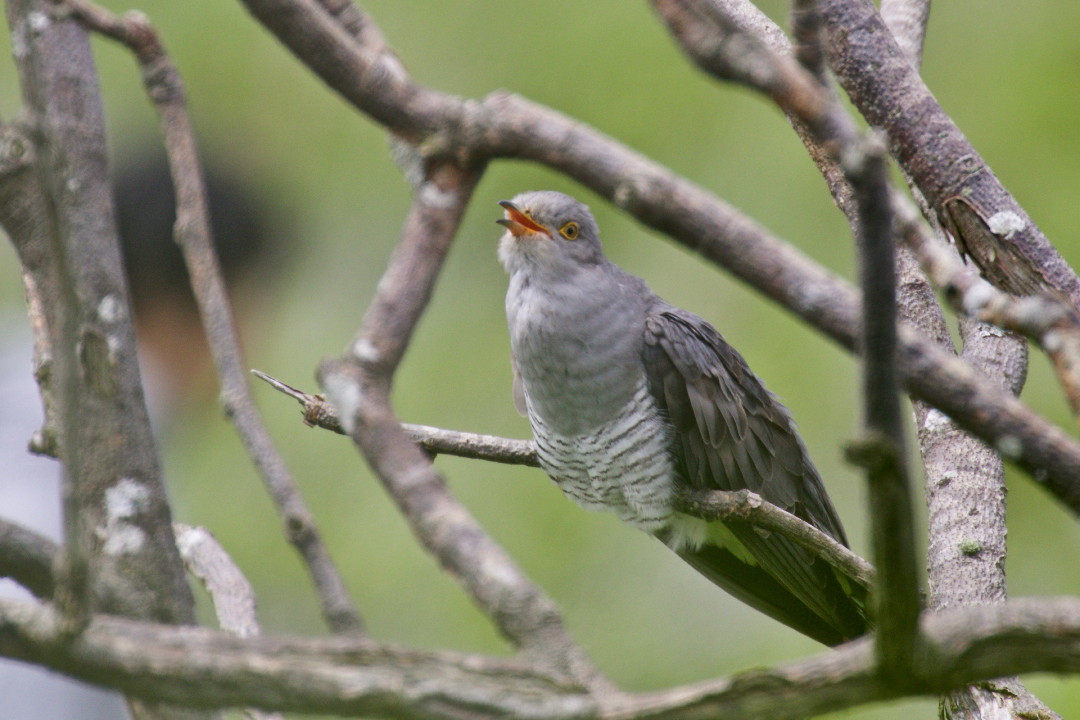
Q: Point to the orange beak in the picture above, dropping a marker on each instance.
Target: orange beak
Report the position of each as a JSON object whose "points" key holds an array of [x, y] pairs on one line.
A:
{"points": [[518, 222]]}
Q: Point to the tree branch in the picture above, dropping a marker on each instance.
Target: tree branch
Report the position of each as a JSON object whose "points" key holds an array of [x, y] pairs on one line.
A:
{"points": [[345, 674], [906, 20], [746, 506], [317, 412], [896, 595], [722, 47], [355, 676], [165, 90], [119, 552], [449, 155], [230, 592], [971, 203], [966, 551], [27, 558], [741, 506], [1044, 319]]}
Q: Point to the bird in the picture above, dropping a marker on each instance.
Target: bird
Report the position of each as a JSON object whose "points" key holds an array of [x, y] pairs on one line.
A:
{"points": [[633, 402]]}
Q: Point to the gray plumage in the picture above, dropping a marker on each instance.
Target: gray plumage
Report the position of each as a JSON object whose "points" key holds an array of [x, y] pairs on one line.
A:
{"points": [[632, 400]]}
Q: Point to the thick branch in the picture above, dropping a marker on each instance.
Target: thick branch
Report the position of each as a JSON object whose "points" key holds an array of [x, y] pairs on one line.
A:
{"points": [[1045, 319], [353, 676], [346, 675], [118, 529], [966, 551], [119, 554]]}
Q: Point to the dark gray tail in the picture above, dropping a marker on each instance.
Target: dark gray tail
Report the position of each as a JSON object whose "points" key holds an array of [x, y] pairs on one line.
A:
{"points": [[761, 591]]}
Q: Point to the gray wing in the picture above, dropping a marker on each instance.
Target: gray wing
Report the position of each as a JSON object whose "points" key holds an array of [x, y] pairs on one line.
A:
{"points": [[731, 433]]}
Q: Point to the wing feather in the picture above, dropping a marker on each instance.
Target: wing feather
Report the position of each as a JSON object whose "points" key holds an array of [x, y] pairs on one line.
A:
{"points": [[731, 433]]}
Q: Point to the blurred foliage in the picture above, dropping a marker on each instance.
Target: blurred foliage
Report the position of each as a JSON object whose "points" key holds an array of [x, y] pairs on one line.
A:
{"points": [[1008, 72]]}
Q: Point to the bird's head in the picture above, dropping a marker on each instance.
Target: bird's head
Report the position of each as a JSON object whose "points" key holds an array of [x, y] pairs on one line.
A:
{"points": [[548, 230]]}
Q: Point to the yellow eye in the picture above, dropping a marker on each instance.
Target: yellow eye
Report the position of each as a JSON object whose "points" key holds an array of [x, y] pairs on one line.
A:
{"points": [[570, 230]]}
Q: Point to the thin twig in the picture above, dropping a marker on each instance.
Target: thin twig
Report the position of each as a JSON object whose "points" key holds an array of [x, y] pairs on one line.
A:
{"points": [[230, 592], [318, 412], [805, 45], [165, 89], [806, 33], [718, 45], [906, 20]]}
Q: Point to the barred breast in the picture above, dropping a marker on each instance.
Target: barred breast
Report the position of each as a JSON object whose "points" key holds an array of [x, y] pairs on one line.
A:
{"points": [[623, 465]]}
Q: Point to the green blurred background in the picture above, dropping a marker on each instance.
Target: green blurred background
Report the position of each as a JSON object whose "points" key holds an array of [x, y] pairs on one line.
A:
{"points": [[1008, 72]]}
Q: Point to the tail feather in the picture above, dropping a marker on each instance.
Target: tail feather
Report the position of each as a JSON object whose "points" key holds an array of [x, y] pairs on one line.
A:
{"points": [[758, 589]]}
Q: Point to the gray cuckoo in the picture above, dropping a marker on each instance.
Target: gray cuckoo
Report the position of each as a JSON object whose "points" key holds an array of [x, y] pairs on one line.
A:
{"points": [[632, 401]]}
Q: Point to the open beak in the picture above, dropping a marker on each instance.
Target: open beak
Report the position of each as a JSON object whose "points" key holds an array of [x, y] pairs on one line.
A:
{"points": [[518, 222]]}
